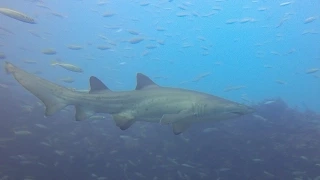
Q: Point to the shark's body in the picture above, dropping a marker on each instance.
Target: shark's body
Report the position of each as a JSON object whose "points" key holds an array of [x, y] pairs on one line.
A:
{"points": [[148, 102]]}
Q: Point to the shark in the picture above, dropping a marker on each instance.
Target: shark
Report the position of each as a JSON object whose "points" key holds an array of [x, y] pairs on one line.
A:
{"points": [[148, 102]]}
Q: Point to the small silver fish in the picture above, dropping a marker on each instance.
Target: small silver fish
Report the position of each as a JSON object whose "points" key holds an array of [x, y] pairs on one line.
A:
{"points": [[309, 20], [67, 80], [312, 70], [17, 15], [49, 51], [75, 47], [69, 67], [136, 40]]}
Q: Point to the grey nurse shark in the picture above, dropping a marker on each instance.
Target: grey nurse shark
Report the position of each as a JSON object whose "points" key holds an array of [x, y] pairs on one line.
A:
{"points": [[148, 102]]}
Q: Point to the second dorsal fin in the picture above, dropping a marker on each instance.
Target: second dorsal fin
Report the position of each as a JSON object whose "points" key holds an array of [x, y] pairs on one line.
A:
{"points": [[96, 85], [144, 82]]}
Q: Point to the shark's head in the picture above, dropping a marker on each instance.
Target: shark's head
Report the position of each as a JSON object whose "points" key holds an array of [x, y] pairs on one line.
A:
{"points": [[221, 109], [234, 109]]}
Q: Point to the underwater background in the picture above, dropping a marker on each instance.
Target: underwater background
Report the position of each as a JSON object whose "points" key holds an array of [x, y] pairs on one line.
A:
{"points": [[264, 54]]}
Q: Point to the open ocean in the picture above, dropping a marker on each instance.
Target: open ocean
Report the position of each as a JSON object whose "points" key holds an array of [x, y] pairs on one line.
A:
{"points": [[263, 54]]}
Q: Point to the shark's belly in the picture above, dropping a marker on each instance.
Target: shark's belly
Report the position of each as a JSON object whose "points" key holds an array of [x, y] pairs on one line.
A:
{"points": [[153, 112]]}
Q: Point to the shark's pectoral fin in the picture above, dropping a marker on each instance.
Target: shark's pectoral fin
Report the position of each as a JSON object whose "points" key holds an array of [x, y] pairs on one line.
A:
{"points": [[83, 113], [172, 118], [180, 127], [124, 120]]}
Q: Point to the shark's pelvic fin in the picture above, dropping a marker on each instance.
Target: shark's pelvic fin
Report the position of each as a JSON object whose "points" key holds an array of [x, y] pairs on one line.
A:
{"points": [[53, 105], [144, 82], [180, 127], [83, 113], [97, 85], [124, 120]]}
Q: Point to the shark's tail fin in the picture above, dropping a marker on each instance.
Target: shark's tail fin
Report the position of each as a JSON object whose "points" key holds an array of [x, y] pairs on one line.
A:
{"points": [[9, 68], [53, 96]]}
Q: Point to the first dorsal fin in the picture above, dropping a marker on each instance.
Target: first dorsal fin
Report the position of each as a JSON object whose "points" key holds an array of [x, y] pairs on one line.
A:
{"points": [[144, 81], [97, 85]]}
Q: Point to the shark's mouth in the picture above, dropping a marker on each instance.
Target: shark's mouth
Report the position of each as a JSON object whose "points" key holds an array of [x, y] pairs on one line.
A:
{"points": [[238, 113]]}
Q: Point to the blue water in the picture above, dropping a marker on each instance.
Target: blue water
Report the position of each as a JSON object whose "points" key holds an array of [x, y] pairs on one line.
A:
{"points": [[261, 46]]}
